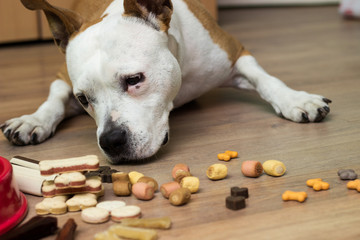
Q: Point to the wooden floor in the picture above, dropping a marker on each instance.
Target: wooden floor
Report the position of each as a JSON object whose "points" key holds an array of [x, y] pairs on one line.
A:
{"points": [[311, 49]]}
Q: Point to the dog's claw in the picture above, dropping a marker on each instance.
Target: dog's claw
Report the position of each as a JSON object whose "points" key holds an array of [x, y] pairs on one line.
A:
{"points": [[305, 118], [34, 139], [327, 109], [326, 100]]}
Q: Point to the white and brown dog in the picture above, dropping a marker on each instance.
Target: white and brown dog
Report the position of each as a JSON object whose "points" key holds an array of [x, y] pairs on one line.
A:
{"points": [[130, 62]]}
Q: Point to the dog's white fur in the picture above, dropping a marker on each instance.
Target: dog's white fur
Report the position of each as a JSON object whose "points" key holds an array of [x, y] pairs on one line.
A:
{"points": [[178, 66]]}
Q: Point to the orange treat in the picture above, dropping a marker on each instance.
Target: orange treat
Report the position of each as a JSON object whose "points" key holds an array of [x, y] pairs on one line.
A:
{"points": [[318, 184], [167, 188], [179, 167], [295, 196], [251, 168], [232, 154], [224, 157], [143, 191], [354, 185]]}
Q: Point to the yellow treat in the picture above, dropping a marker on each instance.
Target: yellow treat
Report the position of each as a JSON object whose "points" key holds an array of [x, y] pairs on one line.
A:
{"points": [[295, 196], [106, 236], [192, 183], [160, 223], [274, 168], [135, 176], [317, 184], [133, 233], [354, 185], [216, 171]]}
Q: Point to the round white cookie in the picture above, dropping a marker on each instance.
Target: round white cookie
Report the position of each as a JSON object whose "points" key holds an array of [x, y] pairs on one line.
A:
{"points": [[95, 215], [130, 211], [111, 205]]}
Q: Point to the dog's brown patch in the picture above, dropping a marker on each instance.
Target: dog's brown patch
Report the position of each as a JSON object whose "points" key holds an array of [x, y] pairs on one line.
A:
{"points": [[228, 43]]}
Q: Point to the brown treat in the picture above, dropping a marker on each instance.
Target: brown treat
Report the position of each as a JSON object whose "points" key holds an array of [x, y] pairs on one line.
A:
{"points": [[104, 172], [347, 174], [179, 167], [36, 228], [68, 230], [180, 196], [120, 176], [121, 188], [180, 174], [150, 181], [236, 191], [235, 203], [168, 188]]}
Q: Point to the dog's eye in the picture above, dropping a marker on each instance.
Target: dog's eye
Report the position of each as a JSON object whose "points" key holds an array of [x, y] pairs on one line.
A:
{"points": [[134, 79], [82, 99]]}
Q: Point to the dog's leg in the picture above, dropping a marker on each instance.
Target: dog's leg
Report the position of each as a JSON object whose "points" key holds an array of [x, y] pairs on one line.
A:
{"points": [[298, 106], [37, 127]]}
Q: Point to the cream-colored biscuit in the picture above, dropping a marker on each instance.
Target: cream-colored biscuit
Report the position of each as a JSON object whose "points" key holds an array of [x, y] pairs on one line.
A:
{"points": [[70, 179], [81, 201], [54, 205]]}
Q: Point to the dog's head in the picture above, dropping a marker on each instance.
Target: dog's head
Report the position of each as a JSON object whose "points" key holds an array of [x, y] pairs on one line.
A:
{"points": [[122, 72]]}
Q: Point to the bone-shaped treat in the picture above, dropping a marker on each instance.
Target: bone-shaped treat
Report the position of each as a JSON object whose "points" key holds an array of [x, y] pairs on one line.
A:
{"points": [[317, 184], [347, 174], [78, 164], [354, 185], [294, 196]]}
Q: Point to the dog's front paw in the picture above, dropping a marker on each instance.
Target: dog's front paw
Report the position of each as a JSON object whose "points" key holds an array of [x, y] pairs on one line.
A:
{"points": [[304, 107], [26, 130]]}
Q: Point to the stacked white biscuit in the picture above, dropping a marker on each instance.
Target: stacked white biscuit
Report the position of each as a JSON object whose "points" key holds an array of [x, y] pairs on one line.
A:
{"points": [[70, 190]]}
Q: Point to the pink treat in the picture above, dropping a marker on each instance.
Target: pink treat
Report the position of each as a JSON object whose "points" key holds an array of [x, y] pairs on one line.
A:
{"points": [[143, 191], [179, 167], [167, 188], [251, 168]]}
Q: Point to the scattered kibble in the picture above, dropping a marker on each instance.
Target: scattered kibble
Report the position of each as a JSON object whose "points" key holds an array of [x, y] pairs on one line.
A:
{"points": [[235, 202], [167, 188], [192, 183], [143, 191], [135, 176], [236, 191], [216, 171], [227, 155], [179, 169], [274, 168], [354, 185], [294, 196], [347, 174], [180, 196], [251, 168], [318, 184]]}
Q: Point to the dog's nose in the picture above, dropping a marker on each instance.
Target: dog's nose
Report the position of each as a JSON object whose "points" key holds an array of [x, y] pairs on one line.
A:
{"points": [[114, 142]]}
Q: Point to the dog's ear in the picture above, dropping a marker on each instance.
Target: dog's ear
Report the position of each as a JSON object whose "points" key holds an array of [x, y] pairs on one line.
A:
{"points": [[148, 9], [62, 22]]}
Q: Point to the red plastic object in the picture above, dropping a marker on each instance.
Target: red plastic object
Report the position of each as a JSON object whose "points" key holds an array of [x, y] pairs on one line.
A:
{"points": [[13, 204]]}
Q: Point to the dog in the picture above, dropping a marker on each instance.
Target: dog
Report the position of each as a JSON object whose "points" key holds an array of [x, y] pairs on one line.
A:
{"points": [[130, 62]]}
